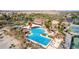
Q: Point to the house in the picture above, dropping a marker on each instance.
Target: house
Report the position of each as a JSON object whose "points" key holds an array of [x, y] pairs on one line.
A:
{"points": [[39, 21], [69, 20]]}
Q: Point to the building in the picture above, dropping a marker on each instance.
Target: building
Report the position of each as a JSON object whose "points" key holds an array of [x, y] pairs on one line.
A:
{"points": [[69, 20], [39, 21]]}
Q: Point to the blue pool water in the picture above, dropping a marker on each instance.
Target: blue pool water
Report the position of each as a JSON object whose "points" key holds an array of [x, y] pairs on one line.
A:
{"points": [[75, 29], [37, 38], [75, 42], [37, 30]]}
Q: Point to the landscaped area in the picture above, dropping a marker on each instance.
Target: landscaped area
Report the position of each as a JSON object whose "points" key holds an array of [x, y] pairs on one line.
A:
{"points": [[38, 30]]}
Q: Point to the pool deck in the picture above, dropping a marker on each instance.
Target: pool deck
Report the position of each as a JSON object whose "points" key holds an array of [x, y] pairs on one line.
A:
{"points": [[50, 45]]}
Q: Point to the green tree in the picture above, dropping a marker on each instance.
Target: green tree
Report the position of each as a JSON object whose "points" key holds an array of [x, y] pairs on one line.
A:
{"points": [[48, 24]]}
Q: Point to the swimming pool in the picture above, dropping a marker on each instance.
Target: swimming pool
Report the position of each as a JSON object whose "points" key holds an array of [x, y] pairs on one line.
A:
{"points": [[74, 29], [36, 37], [75, 42]]}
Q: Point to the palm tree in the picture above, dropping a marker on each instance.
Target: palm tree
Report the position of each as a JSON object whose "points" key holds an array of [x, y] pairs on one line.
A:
{"points": [[74, 17], [48, 24]]}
